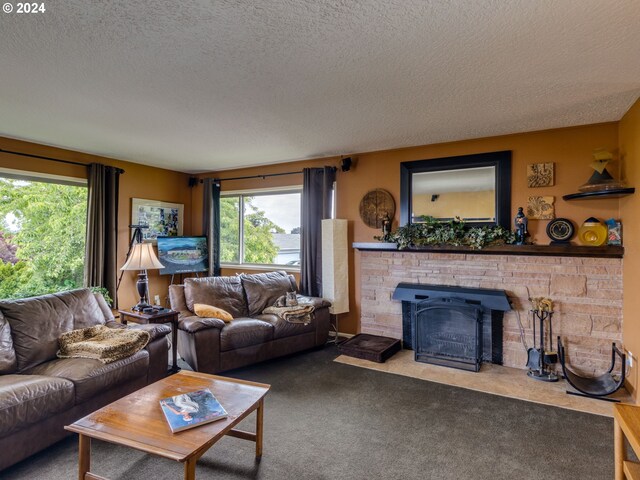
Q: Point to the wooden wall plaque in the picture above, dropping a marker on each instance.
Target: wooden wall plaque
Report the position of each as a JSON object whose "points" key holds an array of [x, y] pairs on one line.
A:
{"points": [[375, 205]]}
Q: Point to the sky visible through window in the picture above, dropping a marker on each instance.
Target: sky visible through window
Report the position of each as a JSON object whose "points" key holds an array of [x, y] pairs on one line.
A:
{"points": [[281, 209]]}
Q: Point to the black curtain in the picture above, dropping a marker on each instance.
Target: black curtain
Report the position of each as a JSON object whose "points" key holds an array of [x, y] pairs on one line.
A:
{"points": [[317, 187], [211, 223], [100, 268]]}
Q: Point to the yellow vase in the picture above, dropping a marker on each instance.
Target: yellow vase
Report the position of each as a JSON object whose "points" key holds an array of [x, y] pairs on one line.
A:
{"points": [[592, 232]]}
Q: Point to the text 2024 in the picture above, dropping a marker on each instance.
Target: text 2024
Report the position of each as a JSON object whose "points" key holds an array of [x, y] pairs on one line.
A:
{"points": [[30, 8]]}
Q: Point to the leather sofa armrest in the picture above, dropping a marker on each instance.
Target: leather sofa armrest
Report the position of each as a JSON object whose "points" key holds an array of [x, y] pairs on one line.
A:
{"points": [[178, 302], [315, 301], [114, 324], [194, 323], [106, 310], [156, 330]]}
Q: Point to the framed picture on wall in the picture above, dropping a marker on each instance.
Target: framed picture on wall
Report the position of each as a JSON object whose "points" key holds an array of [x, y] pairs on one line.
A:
{"points": [[163, 218]]}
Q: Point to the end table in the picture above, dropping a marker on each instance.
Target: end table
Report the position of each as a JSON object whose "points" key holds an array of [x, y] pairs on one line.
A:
{"points": [[163, 316]]}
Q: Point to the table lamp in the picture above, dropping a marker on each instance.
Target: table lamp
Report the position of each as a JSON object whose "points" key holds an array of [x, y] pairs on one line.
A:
{"points": [[142, 258]]}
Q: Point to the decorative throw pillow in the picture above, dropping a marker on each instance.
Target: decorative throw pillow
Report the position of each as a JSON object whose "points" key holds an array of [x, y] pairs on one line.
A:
{"points": [[209, 311]]}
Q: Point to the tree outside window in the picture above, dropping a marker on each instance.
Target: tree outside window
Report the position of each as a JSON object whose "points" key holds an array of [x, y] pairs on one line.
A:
{"points": [[42, 237]]}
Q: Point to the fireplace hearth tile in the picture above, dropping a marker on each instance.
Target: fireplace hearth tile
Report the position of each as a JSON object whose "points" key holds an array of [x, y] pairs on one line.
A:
{"points": [[493, 379]]}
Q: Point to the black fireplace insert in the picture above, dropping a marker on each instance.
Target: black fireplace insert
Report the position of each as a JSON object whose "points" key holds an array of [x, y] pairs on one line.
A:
{"points": [[452, 326]]}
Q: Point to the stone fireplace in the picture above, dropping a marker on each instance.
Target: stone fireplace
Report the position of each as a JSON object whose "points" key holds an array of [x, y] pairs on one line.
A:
{"points": [[587, 292]]}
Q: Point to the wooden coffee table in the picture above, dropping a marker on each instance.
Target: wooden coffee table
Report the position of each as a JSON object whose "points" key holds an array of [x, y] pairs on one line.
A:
{"points": [[137, 421]]}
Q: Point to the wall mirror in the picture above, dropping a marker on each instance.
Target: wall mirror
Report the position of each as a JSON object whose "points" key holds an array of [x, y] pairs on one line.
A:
{"points": [[474, 188]]}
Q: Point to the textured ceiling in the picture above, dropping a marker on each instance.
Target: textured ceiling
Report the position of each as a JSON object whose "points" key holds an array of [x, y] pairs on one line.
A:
{"points": [[205, 85]]}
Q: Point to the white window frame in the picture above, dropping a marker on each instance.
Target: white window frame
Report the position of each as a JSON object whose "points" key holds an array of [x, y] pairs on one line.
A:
{"points": [[258, 192], [42, 177]]}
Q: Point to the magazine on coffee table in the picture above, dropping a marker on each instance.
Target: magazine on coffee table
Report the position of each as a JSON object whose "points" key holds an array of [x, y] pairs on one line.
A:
{"points": [[192, 409]]}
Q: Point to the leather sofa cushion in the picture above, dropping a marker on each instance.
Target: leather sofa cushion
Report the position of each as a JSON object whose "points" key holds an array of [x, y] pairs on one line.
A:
{"points": [[8, 362], [242, 332], [221, 292], [282, 328], [27, 399], [263, 289], [37, 322], [91, 377]]}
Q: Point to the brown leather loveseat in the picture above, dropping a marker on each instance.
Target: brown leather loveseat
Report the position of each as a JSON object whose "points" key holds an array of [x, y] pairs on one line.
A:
{"points": [[40, 393], [210, 345]]}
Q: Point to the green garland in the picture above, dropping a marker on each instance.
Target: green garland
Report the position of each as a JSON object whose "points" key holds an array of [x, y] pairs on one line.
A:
{"points": [[432, 232]]}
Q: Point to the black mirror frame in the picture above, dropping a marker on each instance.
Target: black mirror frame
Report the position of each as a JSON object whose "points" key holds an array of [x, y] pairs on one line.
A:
{"points": [[500, 160]]}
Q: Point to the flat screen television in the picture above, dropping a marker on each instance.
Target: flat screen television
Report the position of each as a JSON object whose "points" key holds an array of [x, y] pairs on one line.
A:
{"points": [[183, 255]]}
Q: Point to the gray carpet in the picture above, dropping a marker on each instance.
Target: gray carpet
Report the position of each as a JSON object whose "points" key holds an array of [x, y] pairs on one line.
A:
{"points": [[325, 420]]}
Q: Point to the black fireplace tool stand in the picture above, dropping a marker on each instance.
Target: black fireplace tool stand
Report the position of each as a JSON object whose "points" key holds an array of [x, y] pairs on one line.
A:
{"points": [[537, 357]]}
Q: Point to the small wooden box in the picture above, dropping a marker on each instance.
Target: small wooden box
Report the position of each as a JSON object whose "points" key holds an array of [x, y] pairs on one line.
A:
{"points": [[370, 347]]}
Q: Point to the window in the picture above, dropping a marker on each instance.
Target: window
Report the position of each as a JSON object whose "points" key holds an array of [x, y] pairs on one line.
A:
{"points": [[42, 233], [260, 227]]}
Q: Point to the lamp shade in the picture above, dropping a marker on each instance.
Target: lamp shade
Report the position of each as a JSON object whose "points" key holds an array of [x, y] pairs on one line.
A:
{"points": [[335, 265], [142, 257]]}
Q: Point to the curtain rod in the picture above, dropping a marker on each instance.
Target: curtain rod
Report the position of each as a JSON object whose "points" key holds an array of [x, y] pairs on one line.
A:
{"points": [[70, 162], [260, 176]]}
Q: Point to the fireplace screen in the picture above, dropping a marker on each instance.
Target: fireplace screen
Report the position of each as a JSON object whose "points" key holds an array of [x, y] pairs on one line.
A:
{"points": [[448, 331], [452, 326]]}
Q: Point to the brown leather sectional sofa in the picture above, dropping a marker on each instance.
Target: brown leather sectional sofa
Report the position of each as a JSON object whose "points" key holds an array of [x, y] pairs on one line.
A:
{"points": [[40, 393], [210, 345]]}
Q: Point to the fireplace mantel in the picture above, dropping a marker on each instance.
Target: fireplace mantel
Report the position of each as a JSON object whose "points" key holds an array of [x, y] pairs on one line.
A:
{"points": [[606, 251]]}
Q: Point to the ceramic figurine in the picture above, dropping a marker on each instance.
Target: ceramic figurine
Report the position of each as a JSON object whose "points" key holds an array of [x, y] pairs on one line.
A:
{"points": [[386, 225], [521, 222]]}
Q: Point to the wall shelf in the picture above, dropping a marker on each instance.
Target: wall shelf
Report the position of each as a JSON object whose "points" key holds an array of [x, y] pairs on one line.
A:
{"points": [[617, 193], [605, 251]]}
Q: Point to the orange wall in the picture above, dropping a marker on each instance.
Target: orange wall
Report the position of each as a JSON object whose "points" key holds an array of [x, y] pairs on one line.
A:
{"points": [[138, 181], [458, 204], [569, 148], [629, 208]]}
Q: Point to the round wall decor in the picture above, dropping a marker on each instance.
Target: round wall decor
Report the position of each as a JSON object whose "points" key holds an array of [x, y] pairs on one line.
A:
{"points": [[375, 206], [560, 230]]}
